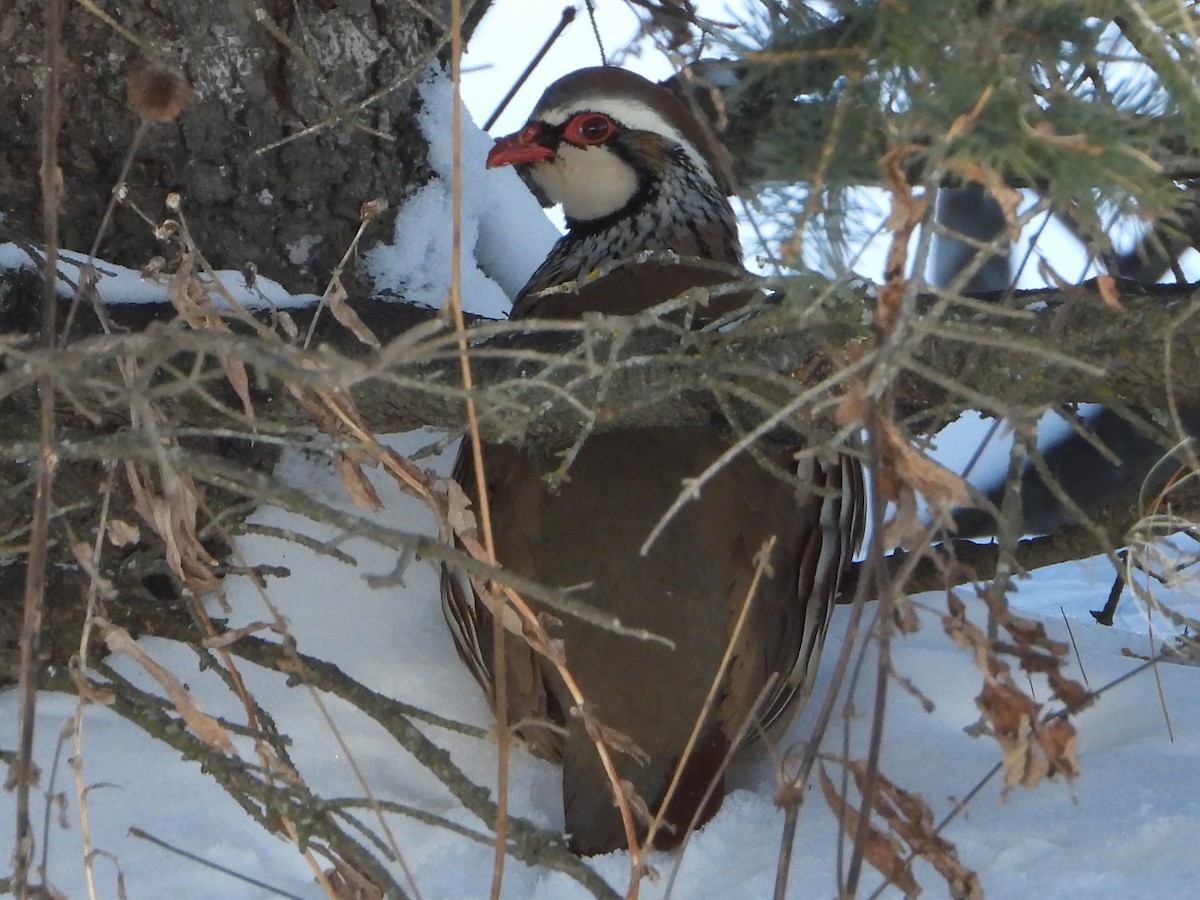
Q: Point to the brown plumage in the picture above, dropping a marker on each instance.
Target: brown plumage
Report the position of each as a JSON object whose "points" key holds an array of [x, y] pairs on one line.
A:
{"points": [[635, 172]]}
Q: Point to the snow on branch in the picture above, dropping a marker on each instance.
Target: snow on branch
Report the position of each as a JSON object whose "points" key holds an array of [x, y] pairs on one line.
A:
{"points": [[546, 380]]}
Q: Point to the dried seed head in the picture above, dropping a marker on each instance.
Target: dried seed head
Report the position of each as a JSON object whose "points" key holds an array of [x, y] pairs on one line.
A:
{"points": [[152, 269], [372, 208], [157, 92]]}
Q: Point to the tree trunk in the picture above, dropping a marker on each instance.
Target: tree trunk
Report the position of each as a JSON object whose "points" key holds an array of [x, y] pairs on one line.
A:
{"points": [[289, 211]]}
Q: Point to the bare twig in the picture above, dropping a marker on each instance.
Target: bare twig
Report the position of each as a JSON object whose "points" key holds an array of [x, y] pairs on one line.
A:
{"points": [[484, 519], [568, 16], [136, 832], [21, 774]]}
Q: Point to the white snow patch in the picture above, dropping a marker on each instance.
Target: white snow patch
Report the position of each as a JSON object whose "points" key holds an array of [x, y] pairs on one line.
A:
{"points": [[505, 234], [1127, 827], [120, 285]]}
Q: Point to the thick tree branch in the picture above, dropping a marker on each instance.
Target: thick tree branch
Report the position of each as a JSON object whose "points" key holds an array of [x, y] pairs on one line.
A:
{"points": [[554, 379], [800, 350], [956, 562]]}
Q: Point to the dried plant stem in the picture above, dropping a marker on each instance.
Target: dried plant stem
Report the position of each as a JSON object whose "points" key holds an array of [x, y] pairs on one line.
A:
{"points": [[885, 589], [791, 795], [531, 625], [209, 864], [751, 720], [347, 109], [145, 46], [21, 776], [264, 755], [500, 671], [568, 16], [540, 639], [764, 555], [530, 844], [87, 276], [334, 292], [77, 725]]}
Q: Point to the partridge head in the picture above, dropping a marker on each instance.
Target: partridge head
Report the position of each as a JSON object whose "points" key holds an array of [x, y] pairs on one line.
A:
{"points": [[635, 172]]}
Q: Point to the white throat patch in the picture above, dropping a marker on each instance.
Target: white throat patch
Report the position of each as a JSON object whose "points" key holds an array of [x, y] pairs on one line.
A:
{"points": [[594, 182], [590, 183]]}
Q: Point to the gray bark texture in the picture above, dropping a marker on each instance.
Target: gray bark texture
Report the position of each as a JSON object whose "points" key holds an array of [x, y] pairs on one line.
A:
{"points": [[288, 211]]}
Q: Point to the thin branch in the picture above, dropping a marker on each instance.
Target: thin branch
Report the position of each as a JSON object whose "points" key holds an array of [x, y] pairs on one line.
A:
{"points": [[21, 775]]}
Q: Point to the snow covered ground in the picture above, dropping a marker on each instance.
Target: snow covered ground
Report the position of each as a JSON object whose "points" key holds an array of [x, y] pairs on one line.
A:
{"points": [[1128, 826]]}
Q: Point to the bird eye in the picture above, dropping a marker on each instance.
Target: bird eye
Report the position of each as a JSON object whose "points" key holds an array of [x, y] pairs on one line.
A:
{"points": [[589, 129]]}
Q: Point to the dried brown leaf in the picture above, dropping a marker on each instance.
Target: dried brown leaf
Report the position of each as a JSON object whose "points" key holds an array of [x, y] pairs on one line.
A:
{"points": [[880, 849], [965, 122], [906, 214], [854, 407], [1059, 741], [345, 314], [1107, 286], [969, 636], [1011, 715], [637, 806], [905, 528], [83, 555], [609, 736], [897, 806], [910, 817], [346, 882], [172, 516], [121, 533], [86, 689], [1032, 662], [225, 638], [201, 724], [191, 299], [942, 488], [1008, 199], [495, 598], [356, 483], [1070, 692], [287, 324], [459, 516], [1031, 749], [239, 379], [905, 615]]}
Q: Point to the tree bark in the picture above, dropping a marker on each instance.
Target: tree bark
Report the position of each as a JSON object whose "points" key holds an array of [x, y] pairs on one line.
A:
{"points": [[346, 69]]}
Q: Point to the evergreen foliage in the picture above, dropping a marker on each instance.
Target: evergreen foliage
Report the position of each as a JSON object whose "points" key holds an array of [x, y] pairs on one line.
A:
{"points": [[1085, 103]]}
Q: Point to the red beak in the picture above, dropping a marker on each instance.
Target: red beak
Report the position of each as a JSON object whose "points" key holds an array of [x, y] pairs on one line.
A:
{"points": [[521, 148]]}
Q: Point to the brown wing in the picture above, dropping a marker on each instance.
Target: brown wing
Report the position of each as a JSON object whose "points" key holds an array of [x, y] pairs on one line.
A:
{"points": [[514, 487], [633, 287], [834, 506]]}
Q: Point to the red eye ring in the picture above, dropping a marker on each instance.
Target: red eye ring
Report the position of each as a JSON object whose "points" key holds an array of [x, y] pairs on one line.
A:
{"points": [[589, 129]]}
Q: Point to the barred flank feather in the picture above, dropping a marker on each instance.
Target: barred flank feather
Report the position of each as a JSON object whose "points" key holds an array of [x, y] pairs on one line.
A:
{"points": [[826, 558]]}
